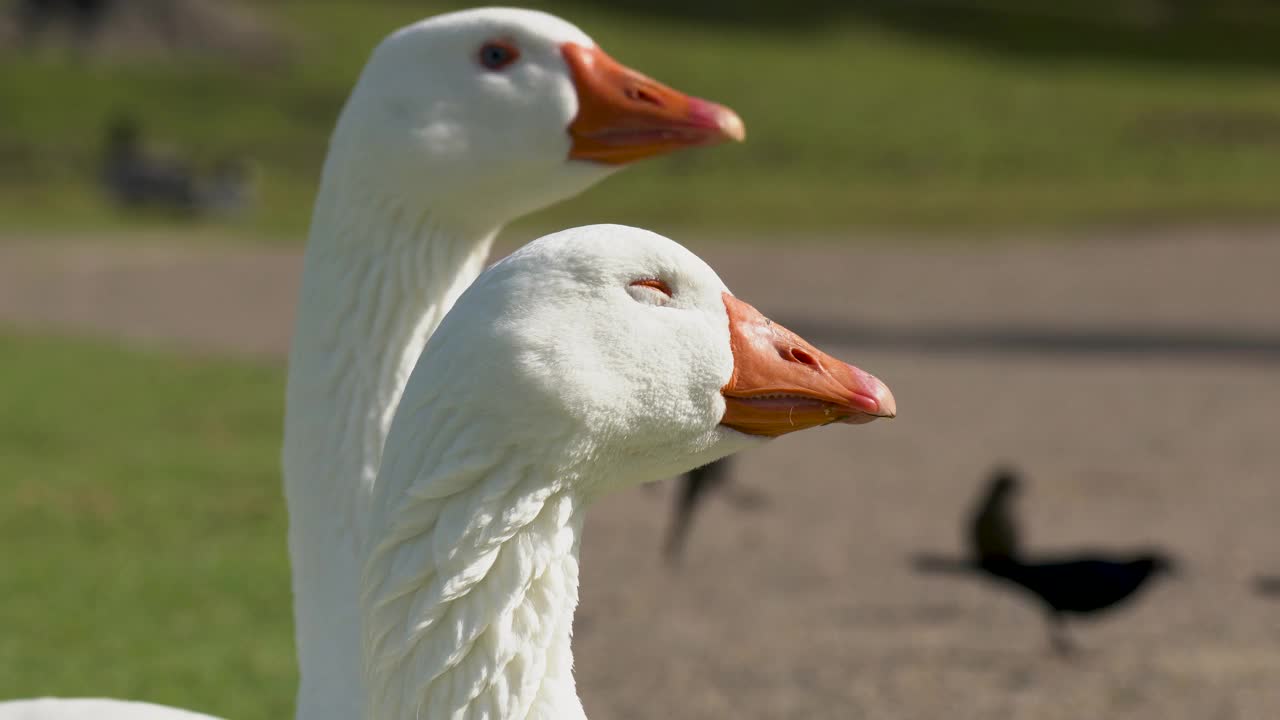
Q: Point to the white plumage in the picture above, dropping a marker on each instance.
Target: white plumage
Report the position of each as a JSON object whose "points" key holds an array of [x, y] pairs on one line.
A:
{"points": [[436, 149]]}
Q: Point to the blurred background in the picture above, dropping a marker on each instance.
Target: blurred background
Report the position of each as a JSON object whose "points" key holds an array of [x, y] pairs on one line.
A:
{"points": [[1052, 228]]}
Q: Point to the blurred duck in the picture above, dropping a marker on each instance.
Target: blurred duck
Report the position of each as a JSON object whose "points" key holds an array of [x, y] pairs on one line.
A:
{"points": [[1083, 584], [135, 178], [692, 489]]}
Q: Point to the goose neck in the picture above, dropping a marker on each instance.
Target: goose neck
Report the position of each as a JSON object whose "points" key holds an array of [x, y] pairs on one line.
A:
{"points": [[470, 592], [377, 280]]}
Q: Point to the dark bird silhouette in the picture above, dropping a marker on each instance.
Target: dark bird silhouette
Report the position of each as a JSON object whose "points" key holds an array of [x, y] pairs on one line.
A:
{"points": [[135, 178], [694, 487], [1268, 586], [993, 532], [1078, 585], [1083, 584], [132, 178]]}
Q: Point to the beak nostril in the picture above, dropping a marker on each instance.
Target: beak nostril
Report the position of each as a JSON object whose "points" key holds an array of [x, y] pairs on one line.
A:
{"points": [[641, 95], [804, 358]]}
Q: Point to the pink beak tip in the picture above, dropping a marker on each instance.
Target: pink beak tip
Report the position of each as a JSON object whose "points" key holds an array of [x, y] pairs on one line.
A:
{"points": [[875, 398], [719, 117]]}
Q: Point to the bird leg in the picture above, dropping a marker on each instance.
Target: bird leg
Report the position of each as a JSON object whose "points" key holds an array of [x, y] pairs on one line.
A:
{"points": [[1059, 638]]}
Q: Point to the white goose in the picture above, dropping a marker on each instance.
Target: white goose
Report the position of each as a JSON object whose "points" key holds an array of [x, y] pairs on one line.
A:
{"points": [[458, 125], [590, 360]]}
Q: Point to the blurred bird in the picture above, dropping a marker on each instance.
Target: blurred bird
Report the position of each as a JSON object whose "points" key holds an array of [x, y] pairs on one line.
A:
{"points": [[134, 177], [1268, 585], [1081, 584], [693, 487]]}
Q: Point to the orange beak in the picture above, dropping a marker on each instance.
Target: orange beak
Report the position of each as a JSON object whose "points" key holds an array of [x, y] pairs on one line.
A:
{"points": [[624, 116], [781, 383]]}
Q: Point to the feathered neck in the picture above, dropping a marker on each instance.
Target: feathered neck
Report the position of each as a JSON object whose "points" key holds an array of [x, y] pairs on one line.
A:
{"points": [[471, 585], [377, 279]]}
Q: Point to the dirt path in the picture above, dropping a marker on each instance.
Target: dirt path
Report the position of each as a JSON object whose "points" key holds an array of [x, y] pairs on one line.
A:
{"points": [[1181, 288], [1136, 379], [237, 300]]}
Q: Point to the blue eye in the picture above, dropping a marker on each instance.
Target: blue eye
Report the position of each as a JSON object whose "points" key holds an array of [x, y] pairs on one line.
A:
{"points": [[497, 54]]}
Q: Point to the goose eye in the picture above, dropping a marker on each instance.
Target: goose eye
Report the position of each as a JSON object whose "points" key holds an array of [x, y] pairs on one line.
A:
{"points": [[497, 54], [650, 290]]}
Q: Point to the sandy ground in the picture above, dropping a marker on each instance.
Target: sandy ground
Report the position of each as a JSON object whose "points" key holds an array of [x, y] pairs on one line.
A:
{"points": [[1135, 378]]}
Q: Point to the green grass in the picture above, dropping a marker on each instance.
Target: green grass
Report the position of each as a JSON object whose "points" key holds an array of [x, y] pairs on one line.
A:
{"points": [[142, 529], [970, 114]]}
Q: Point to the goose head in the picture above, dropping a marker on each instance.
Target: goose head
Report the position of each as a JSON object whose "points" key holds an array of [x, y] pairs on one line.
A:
{"points": [[498, 112], [630, 348]]}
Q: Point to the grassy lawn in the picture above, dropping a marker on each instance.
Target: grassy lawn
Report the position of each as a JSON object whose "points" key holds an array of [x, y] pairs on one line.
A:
{"points": [[142, 529], [938, 114]]}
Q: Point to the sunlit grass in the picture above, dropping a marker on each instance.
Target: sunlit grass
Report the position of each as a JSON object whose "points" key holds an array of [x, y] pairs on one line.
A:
{"points": [[142, 529]]}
